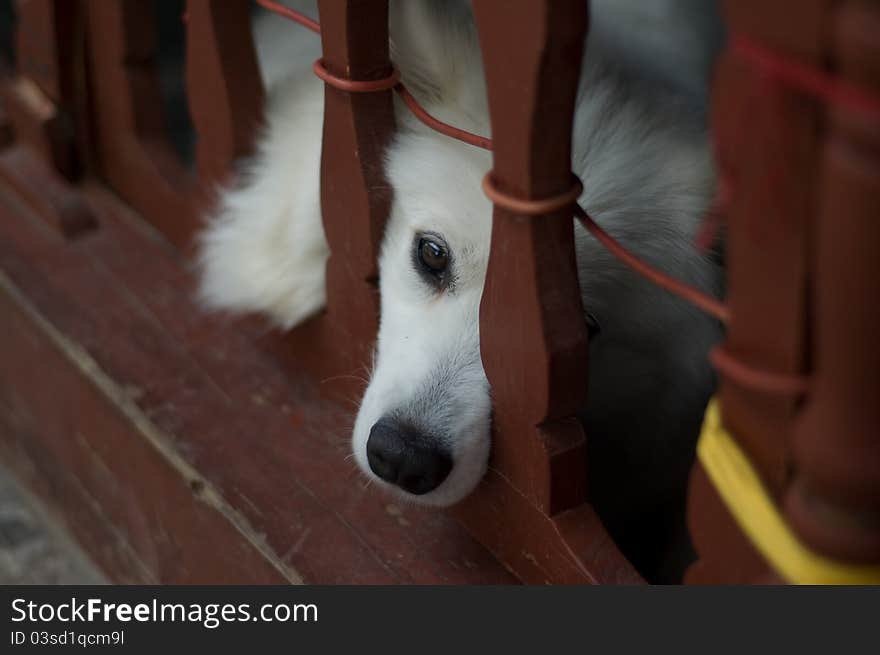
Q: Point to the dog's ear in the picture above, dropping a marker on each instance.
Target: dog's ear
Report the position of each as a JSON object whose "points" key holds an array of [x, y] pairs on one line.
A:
{"points": [[434, 43]]}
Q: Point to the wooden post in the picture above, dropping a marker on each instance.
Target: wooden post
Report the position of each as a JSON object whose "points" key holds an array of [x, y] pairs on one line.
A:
{"points": [[355, 197], [225, 96], [834, 499], [223, 81], [802, 281], [133, 152], [531, 510], [767, 147], [42, 98], [43, 101]]}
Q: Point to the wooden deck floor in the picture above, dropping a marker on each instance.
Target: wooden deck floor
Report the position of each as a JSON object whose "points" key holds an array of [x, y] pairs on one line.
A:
{"points": [[34, 549], [176, 445]]}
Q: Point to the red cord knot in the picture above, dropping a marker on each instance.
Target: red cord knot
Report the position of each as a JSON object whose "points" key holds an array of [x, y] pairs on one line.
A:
{"points": [[532, 207], [756, 379], [355, 86]]}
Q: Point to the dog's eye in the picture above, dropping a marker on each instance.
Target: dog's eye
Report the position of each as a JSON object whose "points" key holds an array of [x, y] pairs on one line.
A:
{"points": [[432, 255], [433, 261]]}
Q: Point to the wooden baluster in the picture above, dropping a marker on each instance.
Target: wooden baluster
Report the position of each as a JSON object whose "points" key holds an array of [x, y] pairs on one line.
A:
{"points": [[225, 96], [42, 43], [531, 508], [531, 315], [134, 153], [768, 144], [355, 197], [834, 500], [42, 102], [223, 81]]}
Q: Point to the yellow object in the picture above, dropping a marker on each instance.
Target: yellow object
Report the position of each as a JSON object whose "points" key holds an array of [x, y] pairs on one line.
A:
{"points": [[744, 493]]}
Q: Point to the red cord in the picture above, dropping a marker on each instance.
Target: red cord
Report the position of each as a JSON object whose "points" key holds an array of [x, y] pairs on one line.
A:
{"points": [[757, 379], [806, 79], [355, 86], [295, 16], [439, 126], [530, 207], [694, 296]]}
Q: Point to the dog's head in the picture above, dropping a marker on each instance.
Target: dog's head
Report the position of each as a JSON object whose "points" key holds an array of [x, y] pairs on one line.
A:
{"points": [[423, 428], [423, 425]]}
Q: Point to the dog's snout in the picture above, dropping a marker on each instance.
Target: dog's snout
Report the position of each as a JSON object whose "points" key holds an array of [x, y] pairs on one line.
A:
{"points": [[405, 458]]}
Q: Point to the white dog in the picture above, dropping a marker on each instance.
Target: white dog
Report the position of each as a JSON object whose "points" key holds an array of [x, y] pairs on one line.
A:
{"points": [[423, 426]]}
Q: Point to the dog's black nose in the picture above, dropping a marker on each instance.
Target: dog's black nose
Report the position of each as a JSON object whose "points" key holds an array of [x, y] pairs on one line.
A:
{"points": [[405, 458]]}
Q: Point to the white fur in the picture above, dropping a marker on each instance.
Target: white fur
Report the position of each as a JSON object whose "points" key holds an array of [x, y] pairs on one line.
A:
{"points": [[265, 250], [648, 177]]}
